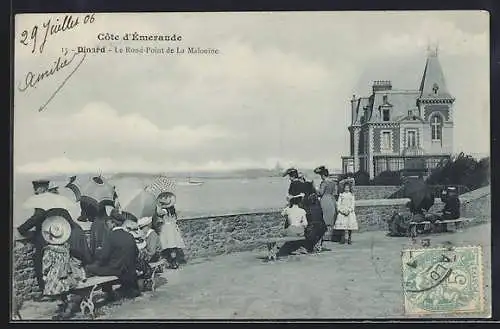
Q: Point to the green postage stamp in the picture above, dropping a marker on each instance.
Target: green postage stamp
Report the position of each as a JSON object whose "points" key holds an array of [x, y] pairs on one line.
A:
{"points": [[443, 280]]}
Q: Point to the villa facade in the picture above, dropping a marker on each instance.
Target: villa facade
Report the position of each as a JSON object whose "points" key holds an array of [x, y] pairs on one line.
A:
{"points": [[410, 131]]}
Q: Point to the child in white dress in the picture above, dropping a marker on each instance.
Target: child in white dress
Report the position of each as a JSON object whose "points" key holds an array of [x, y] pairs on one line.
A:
{"points": [[346, 218]]}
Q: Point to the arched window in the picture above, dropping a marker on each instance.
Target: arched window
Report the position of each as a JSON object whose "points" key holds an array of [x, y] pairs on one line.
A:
{"points": [[436, 127]]}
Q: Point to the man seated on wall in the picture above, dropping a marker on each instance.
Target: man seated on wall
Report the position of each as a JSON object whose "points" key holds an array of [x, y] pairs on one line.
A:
{"points": [[451, 209], [399, 223]]}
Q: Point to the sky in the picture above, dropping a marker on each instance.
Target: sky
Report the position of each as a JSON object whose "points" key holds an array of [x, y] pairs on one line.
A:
{"points": [[278, 90]]}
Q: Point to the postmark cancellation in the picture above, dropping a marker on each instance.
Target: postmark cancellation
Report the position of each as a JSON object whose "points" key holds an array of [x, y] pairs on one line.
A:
{"points": [[443, 280]]}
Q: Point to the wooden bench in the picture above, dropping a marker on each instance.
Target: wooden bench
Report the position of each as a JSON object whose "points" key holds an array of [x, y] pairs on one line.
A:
{"points": [[92, 284], [413, 226], [272, 244]]}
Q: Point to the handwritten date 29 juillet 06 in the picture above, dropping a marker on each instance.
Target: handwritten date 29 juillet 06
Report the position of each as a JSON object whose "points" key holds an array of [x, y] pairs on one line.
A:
{"points": [[39, 34]]}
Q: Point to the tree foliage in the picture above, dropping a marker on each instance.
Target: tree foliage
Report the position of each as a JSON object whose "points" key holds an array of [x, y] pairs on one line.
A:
{"points": [[462, 170], [387, 178]]}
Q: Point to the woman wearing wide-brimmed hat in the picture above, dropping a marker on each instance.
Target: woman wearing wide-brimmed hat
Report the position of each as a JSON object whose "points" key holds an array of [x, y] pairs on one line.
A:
{"points": [[299, 186], [346, 218], [326, 192]]}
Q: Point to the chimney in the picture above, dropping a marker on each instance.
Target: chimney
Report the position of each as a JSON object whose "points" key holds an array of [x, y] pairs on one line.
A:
{"points": [[353, 109], [380, 85]]}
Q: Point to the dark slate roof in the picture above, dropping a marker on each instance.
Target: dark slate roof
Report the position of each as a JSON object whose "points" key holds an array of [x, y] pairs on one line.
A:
{"points": [[361, 103], [433, 77], [400, 101]]}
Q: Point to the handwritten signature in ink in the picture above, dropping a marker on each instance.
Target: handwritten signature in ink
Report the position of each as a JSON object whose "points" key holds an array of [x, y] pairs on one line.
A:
{"points": [[50, 28], [32, 79]]}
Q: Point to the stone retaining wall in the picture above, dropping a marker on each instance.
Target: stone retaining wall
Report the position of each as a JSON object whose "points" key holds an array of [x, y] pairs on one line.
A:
{"points": [[218, 234], [374, 191]]}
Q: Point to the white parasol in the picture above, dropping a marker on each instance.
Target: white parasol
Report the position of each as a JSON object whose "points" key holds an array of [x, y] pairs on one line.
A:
{"points": [[49, 200]]}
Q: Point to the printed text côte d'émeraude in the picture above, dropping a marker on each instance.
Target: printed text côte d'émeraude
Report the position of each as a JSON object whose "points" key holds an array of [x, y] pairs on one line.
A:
{"points": [[135, 36]]}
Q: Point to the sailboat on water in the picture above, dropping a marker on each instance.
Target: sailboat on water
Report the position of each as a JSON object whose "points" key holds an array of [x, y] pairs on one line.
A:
{"points": [[191, 182], [194, 182]]}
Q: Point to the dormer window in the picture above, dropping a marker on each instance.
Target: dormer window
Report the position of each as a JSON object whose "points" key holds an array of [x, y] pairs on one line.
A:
{"points": [[412, 114], [386, 115], [435, 88]]}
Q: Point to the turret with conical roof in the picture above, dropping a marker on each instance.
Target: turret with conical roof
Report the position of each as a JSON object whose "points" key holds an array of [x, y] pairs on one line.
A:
{"points": [[433, 84]]}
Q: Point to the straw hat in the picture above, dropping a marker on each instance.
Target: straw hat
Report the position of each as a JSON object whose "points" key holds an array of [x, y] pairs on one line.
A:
{"points": [[166, 199], [321, 170], [56, 230], [292, 172], [144, 221]]}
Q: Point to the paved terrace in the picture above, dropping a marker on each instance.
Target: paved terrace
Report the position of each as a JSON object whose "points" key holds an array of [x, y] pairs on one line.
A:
{"points": [[362, 280]]}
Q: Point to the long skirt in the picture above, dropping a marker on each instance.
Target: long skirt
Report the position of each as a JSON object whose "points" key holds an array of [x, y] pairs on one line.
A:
{"points": [[170, 236], [328, 207], [314, 232], [145, 271], [344, 222], [61, 272]]}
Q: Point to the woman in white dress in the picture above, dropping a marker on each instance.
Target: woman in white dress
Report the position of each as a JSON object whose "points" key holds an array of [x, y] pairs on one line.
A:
{"points": [[346, 218]]}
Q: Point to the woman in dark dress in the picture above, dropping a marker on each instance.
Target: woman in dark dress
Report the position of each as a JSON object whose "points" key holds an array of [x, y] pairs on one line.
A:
{"points": [[316, 226], [299, 187], [99, 230]]}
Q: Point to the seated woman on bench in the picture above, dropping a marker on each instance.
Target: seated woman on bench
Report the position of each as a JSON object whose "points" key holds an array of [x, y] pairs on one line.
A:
{"points": [[62, 259], [450, 211], [295, 224], [296, 217]]}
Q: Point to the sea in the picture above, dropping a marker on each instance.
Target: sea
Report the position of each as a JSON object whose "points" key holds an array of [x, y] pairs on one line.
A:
{"points": [[195, 196]]}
